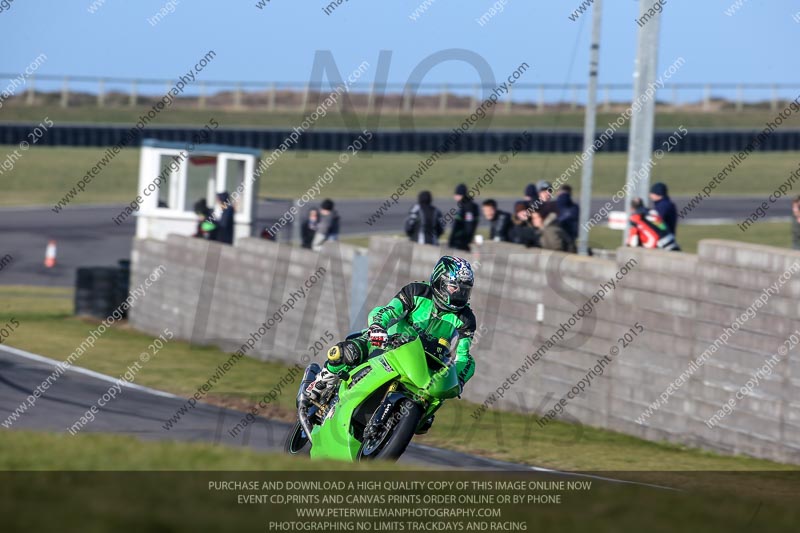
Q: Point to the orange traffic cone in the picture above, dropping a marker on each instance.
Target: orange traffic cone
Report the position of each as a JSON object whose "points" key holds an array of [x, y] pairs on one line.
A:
{"points": [[50, 255]]}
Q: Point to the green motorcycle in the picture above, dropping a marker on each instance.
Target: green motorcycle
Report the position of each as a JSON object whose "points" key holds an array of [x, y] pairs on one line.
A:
{"points": [[379, 405]]}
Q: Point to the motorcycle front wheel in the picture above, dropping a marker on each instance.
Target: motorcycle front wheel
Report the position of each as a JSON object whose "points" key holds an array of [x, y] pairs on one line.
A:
{"points": [[391, 444]]}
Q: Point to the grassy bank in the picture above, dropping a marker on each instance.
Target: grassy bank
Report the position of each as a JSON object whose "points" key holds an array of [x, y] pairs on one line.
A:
{"points": [[189, 494], [717, 492], [180, 368], [44, 175], [31, 450]]}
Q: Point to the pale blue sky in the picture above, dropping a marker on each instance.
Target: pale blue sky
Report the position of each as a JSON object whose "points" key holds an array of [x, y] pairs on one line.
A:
{"points": [[756, 45]]}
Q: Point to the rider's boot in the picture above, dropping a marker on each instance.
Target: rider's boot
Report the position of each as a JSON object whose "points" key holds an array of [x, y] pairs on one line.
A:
{"points": [[341, 356]]}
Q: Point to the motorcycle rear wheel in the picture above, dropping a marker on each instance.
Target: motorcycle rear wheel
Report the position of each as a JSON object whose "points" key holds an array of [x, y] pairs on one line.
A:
{"points": [[296, 440]]}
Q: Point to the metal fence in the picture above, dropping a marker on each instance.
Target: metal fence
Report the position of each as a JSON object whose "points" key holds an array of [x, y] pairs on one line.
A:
{"points": [[70, 91]]}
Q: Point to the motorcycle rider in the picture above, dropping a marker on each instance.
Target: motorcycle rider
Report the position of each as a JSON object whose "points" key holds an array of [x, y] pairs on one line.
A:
{"points": [[429, 310]]}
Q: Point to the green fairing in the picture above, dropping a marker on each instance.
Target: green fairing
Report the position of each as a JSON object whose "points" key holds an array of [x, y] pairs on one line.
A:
{"points": [[422, 378]]}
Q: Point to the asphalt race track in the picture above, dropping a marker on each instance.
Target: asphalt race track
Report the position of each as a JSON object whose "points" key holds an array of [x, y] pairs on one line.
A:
{"points": [[141, 412], [87, 236]]}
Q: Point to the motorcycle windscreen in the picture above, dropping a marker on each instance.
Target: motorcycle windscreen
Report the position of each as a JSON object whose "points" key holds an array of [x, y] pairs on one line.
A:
{"points": [[444, 383], [411, 362]]}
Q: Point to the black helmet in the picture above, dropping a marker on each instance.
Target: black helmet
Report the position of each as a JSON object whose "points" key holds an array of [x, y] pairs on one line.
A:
{"points": [[452, 281]]}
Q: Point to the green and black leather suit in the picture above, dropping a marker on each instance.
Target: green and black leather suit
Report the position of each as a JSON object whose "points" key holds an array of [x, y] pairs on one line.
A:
{"points": [[412, 312]]}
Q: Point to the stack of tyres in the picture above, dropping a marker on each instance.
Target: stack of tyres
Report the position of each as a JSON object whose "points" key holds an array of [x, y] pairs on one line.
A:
{"points": [[83, 292], [96, 292], [122, 285], [102, 300]]}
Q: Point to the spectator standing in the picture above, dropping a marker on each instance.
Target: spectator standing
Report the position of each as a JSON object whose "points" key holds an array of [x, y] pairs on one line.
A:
{"points": [[551, 235], [328, 225], [545, 196], [466, 220], [568, 211], [499, 221], [648, 230], [796, 223], [531, 194], [424, 224], [521, 231], [664, 206], [206, 229], [309, 228], [224, 218]]}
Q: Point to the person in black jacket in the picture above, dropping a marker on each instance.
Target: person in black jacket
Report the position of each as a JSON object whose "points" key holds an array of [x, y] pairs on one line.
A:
{"points": [[531, 193], [499, 221], [466, 220], [224, 219], [424, 224], [522, 230], [206, 228], [568, 212], [664, 206]]}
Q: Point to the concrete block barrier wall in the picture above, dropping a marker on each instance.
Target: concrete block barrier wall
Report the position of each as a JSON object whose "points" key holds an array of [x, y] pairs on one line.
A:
{"points": [[658, 387], [222, 295]]}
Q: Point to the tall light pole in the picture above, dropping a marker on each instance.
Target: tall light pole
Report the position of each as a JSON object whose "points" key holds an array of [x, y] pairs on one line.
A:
{"points": [[640, 140], [589, 126]]}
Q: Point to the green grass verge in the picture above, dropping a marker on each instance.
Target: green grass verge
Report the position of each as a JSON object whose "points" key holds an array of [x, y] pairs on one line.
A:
{"points": [[33, 450], [180, 500], [751, 118], [46, 327], [181, 368], [44, 175], [165, 500]]}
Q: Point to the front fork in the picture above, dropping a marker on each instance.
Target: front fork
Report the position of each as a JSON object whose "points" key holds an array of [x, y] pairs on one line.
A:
{"points": [[305, 405], [385, 412]]}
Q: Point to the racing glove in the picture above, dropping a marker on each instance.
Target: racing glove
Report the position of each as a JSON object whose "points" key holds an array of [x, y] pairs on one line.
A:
{"points": [[377, 335]]}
